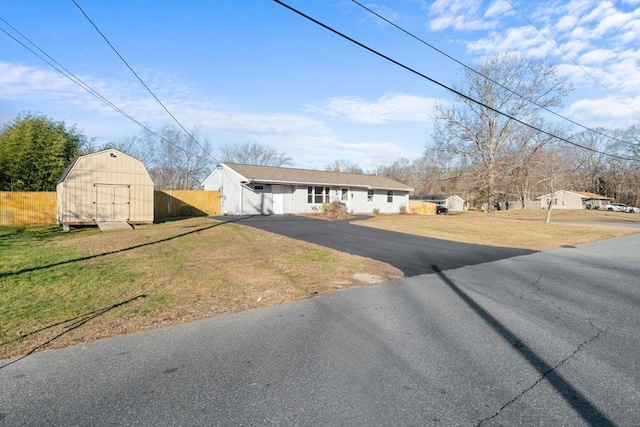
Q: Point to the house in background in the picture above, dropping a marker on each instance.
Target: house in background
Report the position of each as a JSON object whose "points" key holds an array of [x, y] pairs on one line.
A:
{"points": [[453, 202], [563, 199], [104, 187], [253, 190]]}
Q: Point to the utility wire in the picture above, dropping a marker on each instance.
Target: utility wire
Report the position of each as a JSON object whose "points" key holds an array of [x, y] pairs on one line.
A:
{"points": [[142, 82], [460, 94], [78, 81], [482, 75], [569, 57]]}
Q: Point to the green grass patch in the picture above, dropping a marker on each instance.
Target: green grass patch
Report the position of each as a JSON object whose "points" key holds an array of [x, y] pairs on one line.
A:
{"points": [[186, 269]]}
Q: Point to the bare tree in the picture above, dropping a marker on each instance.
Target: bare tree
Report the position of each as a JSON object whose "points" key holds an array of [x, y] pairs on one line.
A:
{"points": [[478, 133], [253, 153], [346, 166], [174, 160]]}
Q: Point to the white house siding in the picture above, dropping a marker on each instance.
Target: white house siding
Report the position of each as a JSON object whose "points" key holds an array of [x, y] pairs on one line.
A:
{"points": [[227, 183], [239, 196], [256, 201], [563, 200]]}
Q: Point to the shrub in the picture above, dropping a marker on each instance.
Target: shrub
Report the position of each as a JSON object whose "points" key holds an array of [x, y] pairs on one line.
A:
{"points": [[334, 210], [376, 211]]}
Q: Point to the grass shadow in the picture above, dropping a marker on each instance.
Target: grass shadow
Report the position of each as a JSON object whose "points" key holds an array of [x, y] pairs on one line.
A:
{"points": [[88, 257]]}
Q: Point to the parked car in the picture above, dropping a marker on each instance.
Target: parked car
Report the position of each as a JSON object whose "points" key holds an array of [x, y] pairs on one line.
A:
{"points": [[621, 207], [441, 209]]}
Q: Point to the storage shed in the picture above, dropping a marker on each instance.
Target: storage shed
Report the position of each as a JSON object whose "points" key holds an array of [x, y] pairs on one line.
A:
{"points": [[107, 186]]}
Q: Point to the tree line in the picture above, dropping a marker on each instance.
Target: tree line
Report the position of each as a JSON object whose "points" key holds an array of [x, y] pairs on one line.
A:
{"points": [[492, 144]]}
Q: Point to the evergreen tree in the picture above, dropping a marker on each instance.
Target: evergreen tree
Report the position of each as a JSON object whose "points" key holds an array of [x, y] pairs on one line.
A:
{"points": [[34, 152]]}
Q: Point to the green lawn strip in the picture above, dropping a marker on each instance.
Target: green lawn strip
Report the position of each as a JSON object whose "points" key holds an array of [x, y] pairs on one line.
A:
{"points": [[35, 299]]}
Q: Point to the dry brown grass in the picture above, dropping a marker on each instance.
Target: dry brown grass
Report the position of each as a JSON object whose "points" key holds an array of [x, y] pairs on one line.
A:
{"points": [[524, 229], [210, 271]]}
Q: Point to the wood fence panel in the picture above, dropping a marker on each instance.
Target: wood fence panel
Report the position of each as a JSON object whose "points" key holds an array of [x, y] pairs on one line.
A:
{"points": [[176, 203], [30, 207], [419, 207], [27, 207]]}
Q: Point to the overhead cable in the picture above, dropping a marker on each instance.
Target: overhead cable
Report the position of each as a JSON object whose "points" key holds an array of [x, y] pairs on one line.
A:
{"points": [[569, 57], [482, 75], [424, 76], [142, 82], [78, 81]]}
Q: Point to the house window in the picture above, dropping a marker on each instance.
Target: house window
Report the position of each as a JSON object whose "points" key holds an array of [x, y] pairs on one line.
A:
{"points": [[389, 196], [258, 187], [345, 195], [370, 196], [318, 194]]}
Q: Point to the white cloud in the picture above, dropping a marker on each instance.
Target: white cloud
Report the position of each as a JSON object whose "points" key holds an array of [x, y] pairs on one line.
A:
{"points": [[386, 109], [498, 9], [566, 23], [607, 112], [28, 82], [516, 39], [597, 56], [600, 36], [18, 81], [460, 15], [309, 141]]}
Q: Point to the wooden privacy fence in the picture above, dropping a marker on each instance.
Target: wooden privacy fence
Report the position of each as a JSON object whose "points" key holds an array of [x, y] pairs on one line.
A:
{"points": [[419, 207], [173, 203], [26, 207]]}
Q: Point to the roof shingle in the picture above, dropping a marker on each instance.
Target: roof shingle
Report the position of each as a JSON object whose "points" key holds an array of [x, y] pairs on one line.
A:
{"points": [[280, 175]]}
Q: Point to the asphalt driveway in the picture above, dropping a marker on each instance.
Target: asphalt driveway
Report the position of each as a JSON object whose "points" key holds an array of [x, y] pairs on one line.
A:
{"points": [[413, 255]]}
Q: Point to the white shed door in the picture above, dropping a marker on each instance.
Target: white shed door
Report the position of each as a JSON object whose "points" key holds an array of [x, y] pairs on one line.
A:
{"points": [[112, 203]]}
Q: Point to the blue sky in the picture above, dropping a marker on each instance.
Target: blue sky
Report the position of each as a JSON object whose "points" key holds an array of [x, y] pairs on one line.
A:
{"points": [[253, 71]]}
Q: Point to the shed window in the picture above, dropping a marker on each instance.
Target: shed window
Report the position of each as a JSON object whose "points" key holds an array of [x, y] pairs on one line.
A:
{"points": [[389, 196], [370, 196], [317, 195]]}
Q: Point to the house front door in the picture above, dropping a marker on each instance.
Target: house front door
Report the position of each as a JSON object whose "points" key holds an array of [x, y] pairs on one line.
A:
{"points": [[278, 199]]}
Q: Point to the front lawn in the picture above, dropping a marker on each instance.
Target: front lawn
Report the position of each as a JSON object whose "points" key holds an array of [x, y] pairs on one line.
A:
{"points": [[159, 274]]}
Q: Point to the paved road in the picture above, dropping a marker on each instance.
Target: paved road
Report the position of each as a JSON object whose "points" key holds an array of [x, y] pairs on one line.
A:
{"points": [[550, 338], [413, 255]]}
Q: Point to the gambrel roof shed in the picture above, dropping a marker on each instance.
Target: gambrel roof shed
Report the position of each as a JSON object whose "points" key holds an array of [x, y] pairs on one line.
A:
{"points": [[107, 186]]}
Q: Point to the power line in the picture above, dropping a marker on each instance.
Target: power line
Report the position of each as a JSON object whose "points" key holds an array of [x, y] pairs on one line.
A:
{"points": [[569, 57], [142, 82], [78, 81], [460, 94], [480, 74]]}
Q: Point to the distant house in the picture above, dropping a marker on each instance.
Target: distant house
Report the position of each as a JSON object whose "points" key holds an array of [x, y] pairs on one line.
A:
{"points": [[253, 190], [564, 199], [453, 202], [107, 186]]}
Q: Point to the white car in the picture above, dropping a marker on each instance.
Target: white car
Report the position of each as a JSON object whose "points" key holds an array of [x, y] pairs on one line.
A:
{"points": [[621, 207]]}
